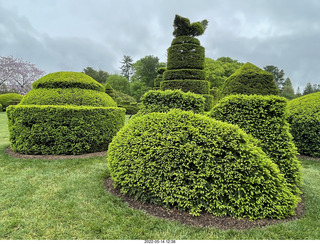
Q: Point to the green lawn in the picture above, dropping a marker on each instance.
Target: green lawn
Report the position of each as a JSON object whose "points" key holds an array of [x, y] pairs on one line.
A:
{"points": [[66, 199]]}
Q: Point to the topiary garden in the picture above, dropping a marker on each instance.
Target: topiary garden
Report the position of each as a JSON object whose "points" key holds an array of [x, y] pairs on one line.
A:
{"points": [[64, 113], [238, 161]]}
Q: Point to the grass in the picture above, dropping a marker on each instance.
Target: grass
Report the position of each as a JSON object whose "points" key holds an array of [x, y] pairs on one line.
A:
{"points": [[66, 199]]}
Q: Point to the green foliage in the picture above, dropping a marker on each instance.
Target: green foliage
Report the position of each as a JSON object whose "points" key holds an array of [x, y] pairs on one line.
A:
{"points": [[277, 74], [68, 80], [196, 86], [185, 39], [209, 101], [163, 101], [0, 107], [138, 88], [9, 99], [47, 129], [119, 83], [197, 163], [183, 27], [68, 96], [217, 71], [126, 101], [185, 56], [98, 75], [264, 117], [250, 79], [304, 119], [184, 74], [109, 90]]}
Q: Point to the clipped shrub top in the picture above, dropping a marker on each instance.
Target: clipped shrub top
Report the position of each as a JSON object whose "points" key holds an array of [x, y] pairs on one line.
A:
{"points": [[67, 79], [308, 104], [163, 101], [197, 163], [264, 117], [249, 79], [10, 99]]}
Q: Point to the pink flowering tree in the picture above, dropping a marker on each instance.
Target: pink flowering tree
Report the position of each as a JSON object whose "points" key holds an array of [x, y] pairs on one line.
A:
{"points": [[17, 75]]}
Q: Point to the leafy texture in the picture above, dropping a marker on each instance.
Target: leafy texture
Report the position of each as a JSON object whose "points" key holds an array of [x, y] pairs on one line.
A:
{"points": [[9, 99], [304, 119], [64, 113], [50, 129], [249, 79], [264, 117], [197, 163]]}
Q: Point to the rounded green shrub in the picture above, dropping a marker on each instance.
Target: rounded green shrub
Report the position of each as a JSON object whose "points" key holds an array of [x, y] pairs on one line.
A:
{"points": [[163, 101], [51, 129], [249, 80], [68, 96], [264, 117], [9, 99], [0, 107], [68, 79], [64, 113], [195, 86], [304, 119], [185, 39], [195, 163]]}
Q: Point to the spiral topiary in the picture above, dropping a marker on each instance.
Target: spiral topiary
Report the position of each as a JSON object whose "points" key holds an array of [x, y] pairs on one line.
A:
{"points": [[64, 113], [186, 160]]}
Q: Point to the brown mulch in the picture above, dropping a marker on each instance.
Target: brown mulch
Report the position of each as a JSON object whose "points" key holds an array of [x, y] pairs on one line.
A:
{"points": [[9, 151], [205, 219]]}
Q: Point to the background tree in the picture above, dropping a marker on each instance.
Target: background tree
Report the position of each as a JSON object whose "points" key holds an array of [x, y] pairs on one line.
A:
{"points": [[99, 76], [119, 83], [138, 88], [126, 68], [287, 90], [145, 69], [17, 75], [277, 74]]}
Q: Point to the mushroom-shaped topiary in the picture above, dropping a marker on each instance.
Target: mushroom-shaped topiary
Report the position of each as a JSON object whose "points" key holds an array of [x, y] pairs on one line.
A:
{"points": [[64, 113], [197, 163]]}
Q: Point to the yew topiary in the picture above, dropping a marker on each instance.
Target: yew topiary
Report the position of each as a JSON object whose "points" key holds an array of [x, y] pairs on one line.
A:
{"points": [[64, 113], [195, 163], [304, 119]]}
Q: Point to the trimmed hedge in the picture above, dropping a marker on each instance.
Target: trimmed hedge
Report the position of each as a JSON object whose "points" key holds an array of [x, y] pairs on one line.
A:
{"points": [[163, 101], [304, 119], [264, 117], [185, 39], [9, 99], [209, 100], [66, 79], [195, 163], [184, 74], [196, 86], [249, 80], [68, 96], [45, 129], [185, 56]]}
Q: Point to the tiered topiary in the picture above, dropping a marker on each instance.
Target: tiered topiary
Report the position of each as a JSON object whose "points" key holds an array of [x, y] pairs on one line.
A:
{"points": [[196, 163], [264, 117], [249, 80], [64, 113], [186, 60], [159, 78], [9, 99], [304, 119]]}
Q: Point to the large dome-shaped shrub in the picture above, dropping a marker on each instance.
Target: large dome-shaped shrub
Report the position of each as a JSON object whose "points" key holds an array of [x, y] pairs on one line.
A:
{"points": [[249, 80], [197, 163], [9, 99], [304, 119], [64, 113]]}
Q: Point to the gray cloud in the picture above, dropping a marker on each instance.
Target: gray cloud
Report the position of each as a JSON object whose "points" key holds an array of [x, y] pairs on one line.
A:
{"points": [[74, 34]]}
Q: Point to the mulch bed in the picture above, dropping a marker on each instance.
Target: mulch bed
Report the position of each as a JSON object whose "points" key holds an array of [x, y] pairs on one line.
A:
{"points": [[205, 219], [9, 151]]}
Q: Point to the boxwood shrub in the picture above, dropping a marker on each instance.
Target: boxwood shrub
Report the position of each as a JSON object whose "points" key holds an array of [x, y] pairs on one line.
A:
{"points": [[1, 107], [264, 117], [195, 163], [196, 86], [51, 129], [249, 79], [9, 99], [163, 101], [68, 96], [184, 74], [304, 119]]}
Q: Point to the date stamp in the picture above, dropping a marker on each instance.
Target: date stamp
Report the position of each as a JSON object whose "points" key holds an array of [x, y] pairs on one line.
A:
{"points": [[160, 241]]}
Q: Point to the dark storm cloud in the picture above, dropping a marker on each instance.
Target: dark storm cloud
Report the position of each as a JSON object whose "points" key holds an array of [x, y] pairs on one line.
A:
{"points": [[74, 34]]}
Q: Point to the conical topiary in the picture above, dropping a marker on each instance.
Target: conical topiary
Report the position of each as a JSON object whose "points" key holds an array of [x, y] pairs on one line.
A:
{"points": [[250, 80]]}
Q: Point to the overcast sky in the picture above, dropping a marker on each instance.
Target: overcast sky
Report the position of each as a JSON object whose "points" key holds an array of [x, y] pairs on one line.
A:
{"points": [[70, 35]]}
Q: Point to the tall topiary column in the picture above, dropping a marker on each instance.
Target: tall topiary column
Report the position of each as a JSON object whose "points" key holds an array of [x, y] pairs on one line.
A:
{"points": [[185, 62]]}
